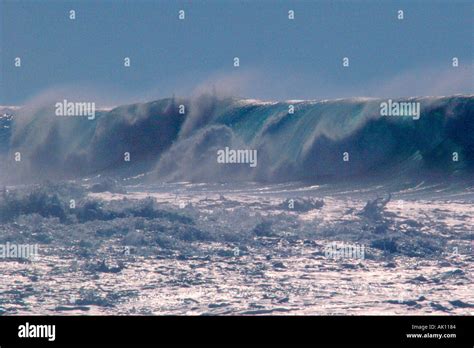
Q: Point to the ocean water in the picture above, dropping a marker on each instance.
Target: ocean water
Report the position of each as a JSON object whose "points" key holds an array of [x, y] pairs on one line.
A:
{"points": [[172, 231], [320, 141]]}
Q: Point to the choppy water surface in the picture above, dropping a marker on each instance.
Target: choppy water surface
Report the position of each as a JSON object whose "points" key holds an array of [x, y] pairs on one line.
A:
{"points": [[240, 249]]}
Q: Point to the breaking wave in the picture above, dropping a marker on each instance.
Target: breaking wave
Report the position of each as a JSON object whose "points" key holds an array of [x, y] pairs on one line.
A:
{"points": [[308, 144]]}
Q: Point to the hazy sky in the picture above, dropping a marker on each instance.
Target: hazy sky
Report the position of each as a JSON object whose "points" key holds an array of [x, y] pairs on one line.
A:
{"points": [[279, 58]]}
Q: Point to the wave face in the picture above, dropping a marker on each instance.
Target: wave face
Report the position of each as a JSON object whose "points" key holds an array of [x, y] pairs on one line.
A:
{"points": [[309, 144]]}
